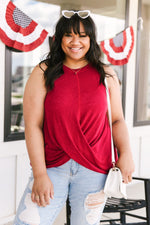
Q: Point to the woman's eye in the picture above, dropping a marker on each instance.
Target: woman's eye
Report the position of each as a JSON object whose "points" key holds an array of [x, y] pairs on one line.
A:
{"points": [[67, 35], [83, 35]]}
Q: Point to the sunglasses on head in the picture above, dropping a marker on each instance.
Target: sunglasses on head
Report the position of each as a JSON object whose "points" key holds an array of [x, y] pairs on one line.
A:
{"points": [[82, 13]]}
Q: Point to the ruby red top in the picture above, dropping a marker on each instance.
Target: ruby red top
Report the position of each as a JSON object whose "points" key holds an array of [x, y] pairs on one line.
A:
{"points": [[75, 121]]}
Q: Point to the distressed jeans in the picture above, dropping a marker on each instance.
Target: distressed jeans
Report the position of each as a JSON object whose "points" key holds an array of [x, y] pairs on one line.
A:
{"points": [[84, 188]]}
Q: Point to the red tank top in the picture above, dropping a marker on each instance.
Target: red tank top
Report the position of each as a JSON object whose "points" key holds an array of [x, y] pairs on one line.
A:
{"points": [[75, 121]]}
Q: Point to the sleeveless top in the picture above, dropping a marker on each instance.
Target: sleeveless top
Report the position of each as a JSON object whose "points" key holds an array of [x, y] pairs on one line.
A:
{"points": [[75, 121]]}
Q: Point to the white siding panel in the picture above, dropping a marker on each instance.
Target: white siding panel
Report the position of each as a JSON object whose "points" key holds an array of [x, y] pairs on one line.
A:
{"points": [[145, 157], [7, 185], [135, 147]]}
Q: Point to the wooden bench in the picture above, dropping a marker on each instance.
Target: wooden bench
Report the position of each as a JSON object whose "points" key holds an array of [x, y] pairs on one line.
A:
{"points": [[123, 207]]}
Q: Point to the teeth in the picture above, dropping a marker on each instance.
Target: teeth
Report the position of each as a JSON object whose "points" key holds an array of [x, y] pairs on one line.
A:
{"points": [[76, 49]]}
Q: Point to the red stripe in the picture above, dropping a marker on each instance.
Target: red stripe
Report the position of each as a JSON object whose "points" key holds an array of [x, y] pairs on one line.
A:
{"points": [[132, 44], [103, 48], [120, 48], [117, 62], [20, 46], [18, 29]]}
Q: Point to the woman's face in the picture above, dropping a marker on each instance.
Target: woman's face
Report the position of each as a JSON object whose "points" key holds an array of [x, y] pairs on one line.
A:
{"points": [[75, 46]]}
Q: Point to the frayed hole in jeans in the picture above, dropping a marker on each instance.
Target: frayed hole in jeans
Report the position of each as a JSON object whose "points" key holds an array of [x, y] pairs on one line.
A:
{"points": [[30, 214], [95, 200], [94, 204]]}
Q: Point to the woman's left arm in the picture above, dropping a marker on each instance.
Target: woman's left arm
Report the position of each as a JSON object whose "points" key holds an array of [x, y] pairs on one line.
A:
{"points": [[119, 128]]}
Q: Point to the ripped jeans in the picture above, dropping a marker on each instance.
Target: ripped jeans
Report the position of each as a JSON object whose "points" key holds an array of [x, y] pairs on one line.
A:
{"points": [[84, 188]]}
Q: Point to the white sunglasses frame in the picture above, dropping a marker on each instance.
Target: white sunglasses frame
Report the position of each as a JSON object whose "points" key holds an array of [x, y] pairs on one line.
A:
{"points": [[76, 12]]}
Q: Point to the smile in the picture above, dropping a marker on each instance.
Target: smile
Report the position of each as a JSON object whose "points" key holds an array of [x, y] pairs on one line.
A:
{"points": [[75, 49]]}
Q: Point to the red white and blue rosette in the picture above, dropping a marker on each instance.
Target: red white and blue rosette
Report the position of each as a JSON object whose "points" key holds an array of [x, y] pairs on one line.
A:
{"points": [[119, 48], [17, 30]]}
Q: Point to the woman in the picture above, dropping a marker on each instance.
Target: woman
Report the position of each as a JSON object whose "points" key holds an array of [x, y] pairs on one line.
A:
{"points": [[67, 130]]}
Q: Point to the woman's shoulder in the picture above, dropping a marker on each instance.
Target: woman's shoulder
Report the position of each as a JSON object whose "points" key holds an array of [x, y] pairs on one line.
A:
{"points": [[42, 66], [39, 70], [36, 78], [111, 76], [109, 70]]}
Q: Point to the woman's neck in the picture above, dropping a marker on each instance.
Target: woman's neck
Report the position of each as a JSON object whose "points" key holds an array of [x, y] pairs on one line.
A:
{"points": [[75, 64]]}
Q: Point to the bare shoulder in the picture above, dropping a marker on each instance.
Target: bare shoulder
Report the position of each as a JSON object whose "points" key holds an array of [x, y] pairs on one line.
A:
{"points": [[36, 79], [42, 66], [38, 71], [111, 76], [109, 70], [115, 94], [35, 88]]}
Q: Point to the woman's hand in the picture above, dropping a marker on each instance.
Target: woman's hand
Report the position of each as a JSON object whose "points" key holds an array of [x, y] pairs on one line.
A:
{"points": [[42, 190], [126, 165]]}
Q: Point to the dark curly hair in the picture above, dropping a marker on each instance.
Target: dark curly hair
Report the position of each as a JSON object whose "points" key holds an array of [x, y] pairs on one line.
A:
{"points": [[56, 56]]}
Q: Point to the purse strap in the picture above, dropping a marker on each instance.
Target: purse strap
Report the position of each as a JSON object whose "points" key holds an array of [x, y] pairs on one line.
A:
{"points": [[110, 122]]}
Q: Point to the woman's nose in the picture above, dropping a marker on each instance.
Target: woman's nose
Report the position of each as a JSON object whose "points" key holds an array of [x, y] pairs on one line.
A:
{"points": [[75, 39]]}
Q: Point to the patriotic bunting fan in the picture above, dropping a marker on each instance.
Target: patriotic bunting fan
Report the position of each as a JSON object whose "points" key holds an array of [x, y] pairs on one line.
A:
{"points": [[119, 48], [17, 30]]}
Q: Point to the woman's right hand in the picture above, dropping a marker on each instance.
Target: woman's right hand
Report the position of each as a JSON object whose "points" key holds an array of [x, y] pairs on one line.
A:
{"points": [[42, 190]]}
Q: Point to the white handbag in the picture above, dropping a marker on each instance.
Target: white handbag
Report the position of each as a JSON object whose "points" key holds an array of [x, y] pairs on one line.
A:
{"points": [[114, 186]]}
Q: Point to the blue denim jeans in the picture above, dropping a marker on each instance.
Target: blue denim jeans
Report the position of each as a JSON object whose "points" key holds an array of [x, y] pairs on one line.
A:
{"points": [[84, 188]]}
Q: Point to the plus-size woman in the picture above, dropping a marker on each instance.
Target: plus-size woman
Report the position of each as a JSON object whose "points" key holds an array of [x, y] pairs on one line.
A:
{"points": [[67, 130]]}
